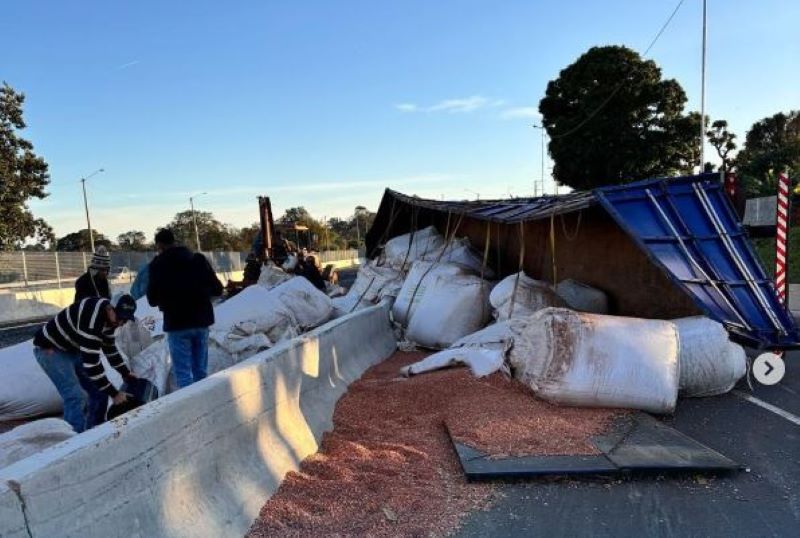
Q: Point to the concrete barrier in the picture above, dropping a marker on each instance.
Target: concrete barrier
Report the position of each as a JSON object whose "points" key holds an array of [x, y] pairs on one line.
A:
{"points": [[201, 461]]}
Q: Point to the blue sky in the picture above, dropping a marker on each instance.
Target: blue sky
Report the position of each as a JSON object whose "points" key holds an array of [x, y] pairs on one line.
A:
{"points": [[324, 104]]}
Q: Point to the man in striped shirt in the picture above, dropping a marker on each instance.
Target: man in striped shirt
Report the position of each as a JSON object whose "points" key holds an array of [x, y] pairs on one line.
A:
{"points": [[68, 350]]}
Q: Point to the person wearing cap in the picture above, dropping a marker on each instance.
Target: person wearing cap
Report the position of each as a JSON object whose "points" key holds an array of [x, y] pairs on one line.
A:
{"points": [[181, 285], [94, 282], [68, 349]]}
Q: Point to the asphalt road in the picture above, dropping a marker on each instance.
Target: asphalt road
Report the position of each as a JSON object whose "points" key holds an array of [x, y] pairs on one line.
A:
{"points": [[763, 500]]}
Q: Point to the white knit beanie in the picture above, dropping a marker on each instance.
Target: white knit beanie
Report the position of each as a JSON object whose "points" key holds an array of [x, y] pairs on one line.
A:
{"points": [[101, 259]]}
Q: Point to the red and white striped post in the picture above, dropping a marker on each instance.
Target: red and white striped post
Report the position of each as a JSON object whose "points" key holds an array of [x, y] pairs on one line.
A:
{"points": [[781, 237]]}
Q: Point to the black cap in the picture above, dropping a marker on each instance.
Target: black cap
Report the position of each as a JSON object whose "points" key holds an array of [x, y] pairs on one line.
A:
{"points": [[125, 308]]}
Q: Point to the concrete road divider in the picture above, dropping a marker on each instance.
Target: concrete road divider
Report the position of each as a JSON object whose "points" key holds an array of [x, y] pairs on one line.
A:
{"points": [[202, 461]]}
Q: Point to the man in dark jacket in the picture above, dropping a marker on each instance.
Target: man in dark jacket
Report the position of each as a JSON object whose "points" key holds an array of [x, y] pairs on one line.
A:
{"points": [[182, 284], [94, 282]]}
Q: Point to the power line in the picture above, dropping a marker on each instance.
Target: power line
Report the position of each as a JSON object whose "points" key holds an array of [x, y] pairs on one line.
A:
{"points": [[623, 81]]}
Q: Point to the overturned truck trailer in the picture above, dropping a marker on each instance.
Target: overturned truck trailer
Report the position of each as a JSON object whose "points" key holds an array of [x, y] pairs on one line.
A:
{"points": [[660, 248]]}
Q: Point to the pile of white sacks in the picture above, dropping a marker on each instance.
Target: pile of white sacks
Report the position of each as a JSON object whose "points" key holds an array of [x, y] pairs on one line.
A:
{"points": [[559, 340], [278, 308]]}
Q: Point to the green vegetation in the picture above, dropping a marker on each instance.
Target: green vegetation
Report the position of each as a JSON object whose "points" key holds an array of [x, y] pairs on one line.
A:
{"points": [[765, 247]]}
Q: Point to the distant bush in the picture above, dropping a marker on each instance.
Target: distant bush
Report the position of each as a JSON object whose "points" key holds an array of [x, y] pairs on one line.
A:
{"points": [[765, 247]]}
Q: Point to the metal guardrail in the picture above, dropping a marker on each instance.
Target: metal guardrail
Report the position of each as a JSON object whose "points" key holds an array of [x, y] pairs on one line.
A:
{"points": [[25, 269]]}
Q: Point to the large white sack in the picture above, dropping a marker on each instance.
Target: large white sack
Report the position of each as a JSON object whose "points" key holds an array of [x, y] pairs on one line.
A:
{"points": [[460, 252], [344, 305], [401, 251], [150, 316], [591, 360], [28, 439], [530, 296], [580, 296], [452, 308], [310, 306], [132, 338], [710, 364], [271, 276], [25, 390], [420, 276], [374, 282], [484, 352]]}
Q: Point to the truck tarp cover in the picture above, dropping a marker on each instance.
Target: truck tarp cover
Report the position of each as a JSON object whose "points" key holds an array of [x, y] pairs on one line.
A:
{"points": [[687, 226]]}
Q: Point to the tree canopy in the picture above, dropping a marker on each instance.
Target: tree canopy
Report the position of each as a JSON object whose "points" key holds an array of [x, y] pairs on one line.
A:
{"points": [[79, 241], [771, 146], [724, 143], [133, 240], [23, 175], [611, 119], [214, 235]]}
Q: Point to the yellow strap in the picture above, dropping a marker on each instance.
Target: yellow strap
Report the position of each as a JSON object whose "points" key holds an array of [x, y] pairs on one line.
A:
{"points": [[486, 247]]}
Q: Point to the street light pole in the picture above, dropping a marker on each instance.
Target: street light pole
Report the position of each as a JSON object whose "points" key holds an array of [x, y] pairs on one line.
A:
{"points": [[703, 97], [86, 205], [194, 219], [541, 128]]}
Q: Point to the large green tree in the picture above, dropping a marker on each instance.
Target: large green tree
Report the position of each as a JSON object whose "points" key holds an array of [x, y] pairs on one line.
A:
{"points": [[724, 143], [133, 240], [771, 146], [23, 175], [612, 119], [214, 235], [80, 241]]}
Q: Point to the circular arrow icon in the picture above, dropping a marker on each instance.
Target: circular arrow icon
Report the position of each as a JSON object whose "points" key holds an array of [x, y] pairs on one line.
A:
{"points": [[768, 368]]}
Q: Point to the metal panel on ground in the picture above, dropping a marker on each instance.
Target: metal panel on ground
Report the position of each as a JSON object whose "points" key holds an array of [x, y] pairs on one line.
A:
{"points": [[688, 227]]}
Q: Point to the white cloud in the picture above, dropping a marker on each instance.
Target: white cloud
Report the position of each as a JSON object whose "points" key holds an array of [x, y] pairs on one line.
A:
{"points": [[406, 107], [127, 65], [526, 112], [453, 106], [465, 104]]}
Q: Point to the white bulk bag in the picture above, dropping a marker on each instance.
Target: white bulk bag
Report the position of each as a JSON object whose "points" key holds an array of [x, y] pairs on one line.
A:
{"points": [[344, 305], [484, 352], [580, 296], [150, 316], [25, 390], [401, 251], [453, 307], [591, 360], [459, 252], [132, 338], [710, 363], [420, 276], [531, 296], [28, 439], [271, 276], [374, 282], [309, 306]]}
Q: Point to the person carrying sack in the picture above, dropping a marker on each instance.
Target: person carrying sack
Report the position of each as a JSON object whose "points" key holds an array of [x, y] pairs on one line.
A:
{"points": [[68, 350]]}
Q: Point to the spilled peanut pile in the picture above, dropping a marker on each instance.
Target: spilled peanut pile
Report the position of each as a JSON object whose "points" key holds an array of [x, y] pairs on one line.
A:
{"points": [[389, 468]]}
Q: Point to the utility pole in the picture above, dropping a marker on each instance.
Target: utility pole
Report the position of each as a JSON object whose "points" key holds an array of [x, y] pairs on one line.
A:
{"points": [[86, 205], [541, 128], [194, 219], [703, 96]]}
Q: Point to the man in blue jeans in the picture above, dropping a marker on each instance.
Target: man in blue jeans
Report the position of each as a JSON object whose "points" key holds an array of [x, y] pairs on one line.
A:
{"points": [[68, 350], [182, 284]]}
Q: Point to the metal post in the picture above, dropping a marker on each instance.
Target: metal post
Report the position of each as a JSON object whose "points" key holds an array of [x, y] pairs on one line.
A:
{"points": [[24, 268], [58, 269], [85, 267], [86, 207], [541, 178], [194, 219], [703, 96], [782, 237]]}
